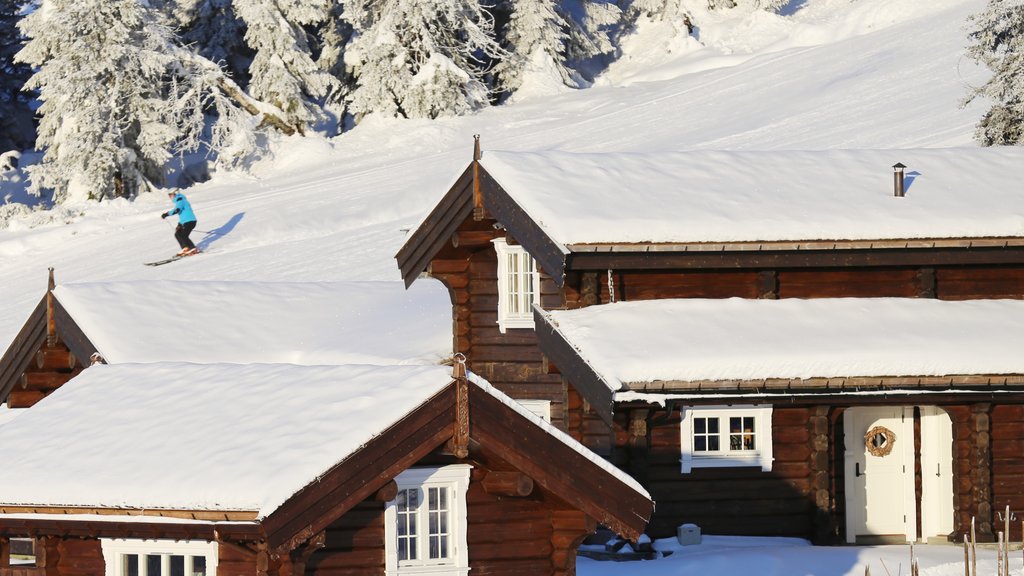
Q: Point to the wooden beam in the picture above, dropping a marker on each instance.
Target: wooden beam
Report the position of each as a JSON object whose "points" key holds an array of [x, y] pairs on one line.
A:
{"points": [[472, 238], [387, 493], [775, 259], [514, 484], [44, 381], [55, 359], [71, 512]]}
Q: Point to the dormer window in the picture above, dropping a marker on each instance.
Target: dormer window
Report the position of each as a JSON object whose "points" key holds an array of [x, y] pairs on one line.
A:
{"points": [[518, 285]]}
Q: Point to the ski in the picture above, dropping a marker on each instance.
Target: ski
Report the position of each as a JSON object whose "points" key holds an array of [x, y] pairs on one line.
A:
{"points": [[169, 260]]}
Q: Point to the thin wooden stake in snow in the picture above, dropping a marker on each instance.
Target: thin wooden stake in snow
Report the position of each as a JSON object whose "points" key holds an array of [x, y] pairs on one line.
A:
{"points": [[967, 558]]}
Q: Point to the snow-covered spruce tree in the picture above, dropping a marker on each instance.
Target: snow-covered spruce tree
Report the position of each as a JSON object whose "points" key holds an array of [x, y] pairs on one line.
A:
{"points": [[16, 128], [671, 11], [421, 58], [119, 96], [997, 42], [535, 37], [591, 23], [214, 31], [283, 72]]}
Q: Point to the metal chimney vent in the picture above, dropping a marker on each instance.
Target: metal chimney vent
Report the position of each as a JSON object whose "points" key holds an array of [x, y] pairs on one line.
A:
{"points": [[898, 189]]}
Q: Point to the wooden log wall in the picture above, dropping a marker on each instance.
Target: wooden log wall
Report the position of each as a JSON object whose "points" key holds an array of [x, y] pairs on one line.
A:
{"points": [[354, 543], [741, 501], [50, 368], [511, 361], [585, 426], [1008, 466], [507, 536], [951, 283], [236, 560], [972, 474]]}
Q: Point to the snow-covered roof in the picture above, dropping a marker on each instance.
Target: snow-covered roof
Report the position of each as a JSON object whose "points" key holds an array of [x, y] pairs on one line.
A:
{"points": [[744, 339], [201, 437], [306, 323], [222, 437], [751, 196]]}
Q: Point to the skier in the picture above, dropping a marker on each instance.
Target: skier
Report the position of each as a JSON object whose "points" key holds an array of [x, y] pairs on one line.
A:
{"points": [[186, 223]]}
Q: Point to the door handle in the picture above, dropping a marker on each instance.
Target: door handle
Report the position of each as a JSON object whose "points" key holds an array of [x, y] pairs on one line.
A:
{"points": [[937, 471], [857, 469]]}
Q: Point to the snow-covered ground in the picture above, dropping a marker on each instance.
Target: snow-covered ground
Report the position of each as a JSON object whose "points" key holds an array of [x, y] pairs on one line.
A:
{"points": [[749, 556], [828, 74]]}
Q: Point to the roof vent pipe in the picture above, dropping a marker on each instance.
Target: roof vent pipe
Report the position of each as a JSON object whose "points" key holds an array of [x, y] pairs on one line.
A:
{"points": [[898, 189]]}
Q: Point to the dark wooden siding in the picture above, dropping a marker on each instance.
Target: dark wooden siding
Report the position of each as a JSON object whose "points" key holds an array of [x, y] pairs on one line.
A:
{"points": [[735, 501], [354, 544], [952, 282], [1008, 466], [507, 535]]}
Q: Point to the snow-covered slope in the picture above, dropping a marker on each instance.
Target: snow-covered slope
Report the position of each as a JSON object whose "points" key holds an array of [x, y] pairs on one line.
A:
{"points": [[832, 74]]}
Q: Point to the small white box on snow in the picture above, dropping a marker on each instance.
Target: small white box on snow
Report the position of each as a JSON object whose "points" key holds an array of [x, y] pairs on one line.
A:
{"points": [[688, 534]]}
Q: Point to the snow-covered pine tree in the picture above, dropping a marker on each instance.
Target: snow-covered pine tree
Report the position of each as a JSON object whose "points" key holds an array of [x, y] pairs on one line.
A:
{"points": [[119, 96], [283, 72], [16, 129], [997, 42], [534, 38], [420, 58]]}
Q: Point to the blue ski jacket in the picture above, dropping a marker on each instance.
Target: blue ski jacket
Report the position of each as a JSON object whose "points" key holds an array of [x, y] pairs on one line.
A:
{"points": [[182, 208]]}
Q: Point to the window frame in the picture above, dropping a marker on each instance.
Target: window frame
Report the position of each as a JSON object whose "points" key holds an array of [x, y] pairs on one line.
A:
{"points": [[761, 456], [506, 318], [114, 548], [454, 477]]}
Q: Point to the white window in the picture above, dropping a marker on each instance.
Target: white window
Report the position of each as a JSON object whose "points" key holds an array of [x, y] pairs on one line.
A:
{"points": [[159, 557], [425, 525], [721, 436], [518, 286]]}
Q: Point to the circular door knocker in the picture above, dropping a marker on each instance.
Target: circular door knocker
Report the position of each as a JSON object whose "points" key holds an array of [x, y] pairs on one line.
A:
{"points": [[879, 441]]}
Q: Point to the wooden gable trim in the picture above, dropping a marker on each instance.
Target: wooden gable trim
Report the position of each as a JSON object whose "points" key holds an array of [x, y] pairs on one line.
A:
{"points": [[581, 375], [22, 350], [437, 229], [557, 467], [72, 335], [550, 255], [363, 473], [792, 255]]}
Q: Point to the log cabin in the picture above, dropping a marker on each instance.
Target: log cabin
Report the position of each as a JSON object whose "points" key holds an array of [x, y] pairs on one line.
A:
{"points": [[528, 241], [276, 469]]}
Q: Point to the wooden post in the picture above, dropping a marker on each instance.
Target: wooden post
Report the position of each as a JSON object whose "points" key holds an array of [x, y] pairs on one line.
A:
{"points": [[51, 318], [5, 552], [967, 558], [460, 439], [974, 551], [478, 198]]}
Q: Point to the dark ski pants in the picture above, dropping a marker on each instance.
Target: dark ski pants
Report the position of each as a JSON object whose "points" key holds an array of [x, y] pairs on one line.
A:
{"points": [[181, 234]]}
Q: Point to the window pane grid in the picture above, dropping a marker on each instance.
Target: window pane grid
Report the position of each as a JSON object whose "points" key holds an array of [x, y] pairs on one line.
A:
{"points": [[519, 285], [407, 505]]}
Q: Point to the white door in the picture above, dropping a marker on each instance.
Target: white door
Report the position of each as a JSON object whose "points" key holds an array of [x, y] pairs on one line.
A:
{"points": [[936, 472], [879, 472]]}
